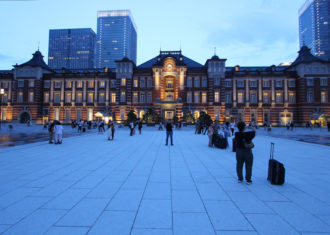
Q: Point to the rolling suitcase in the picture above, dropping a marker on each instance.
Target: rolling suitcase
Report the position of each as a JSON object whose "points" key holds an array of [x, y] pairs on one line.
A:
{"points": [[276, 170], [234, 145]]}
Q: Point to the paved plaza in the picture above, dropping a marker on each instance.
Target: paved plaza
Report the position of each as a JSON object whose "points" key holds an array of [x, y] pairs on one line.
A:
{"points": [[137, 185]]}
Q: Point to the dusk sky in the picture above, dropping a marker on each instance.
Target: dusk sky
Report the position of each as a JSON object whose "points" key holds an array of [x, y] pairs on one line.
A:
{"points": [[246, 32]]}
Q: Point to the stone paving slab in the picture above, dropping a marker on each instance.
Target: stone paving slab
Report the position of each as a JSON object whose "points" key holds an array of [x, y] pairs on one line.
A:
{"points": [[137, 185]]}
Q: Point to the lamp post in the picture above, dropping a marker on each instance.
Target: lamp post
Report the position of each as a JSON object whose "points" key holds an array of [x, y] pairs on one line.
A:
{"points": [[2, 91]]}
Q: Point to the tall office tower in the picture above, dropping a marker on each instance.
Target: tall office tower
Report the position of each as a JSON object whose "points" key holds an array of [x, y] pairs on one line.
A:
{"points": [[116, 38], [314, 27], [71, 48]]}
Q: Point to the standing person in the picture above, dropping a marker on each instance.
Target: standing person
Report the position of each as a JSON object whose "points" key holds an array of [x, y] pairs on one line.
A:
{"points": [[244, 154], [232, 128], [140, 127], [58, 129], [328, 125], [210, 132], [80, 124], [131, 126], [112, 130], [51, 132], [169, 131]]}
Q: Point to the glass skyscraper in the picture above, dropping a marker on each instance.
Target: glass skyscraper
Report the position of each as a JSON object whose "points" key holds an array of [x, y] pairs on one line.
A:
{"points": [[71, 48], [116, 38], [314, 27]]}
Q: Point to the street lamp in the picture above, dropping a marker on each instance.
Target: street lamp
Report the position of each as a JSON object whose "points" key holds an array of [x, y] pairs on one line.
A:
{"points": [[2, 91]]}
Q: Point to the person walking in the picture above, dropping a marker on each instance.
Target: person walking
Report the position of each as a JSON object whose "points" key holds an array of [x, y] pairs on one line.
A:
{"points": [[328, 125], [58, 129], [140, 127], [169, 131], [210, 132], [51, 132], [244, 154]]}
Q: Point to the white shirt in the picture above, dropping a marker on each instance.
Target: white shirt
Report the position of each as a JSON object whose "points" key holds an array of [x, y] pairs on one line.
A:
{"points": [[58, 129]]}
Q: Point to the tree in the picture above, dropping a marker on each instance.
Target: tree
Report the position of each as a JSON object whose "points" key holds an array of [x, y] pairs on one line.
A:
{"points": [[204, 117], [151, 116], [131, 117], [189, 117]]}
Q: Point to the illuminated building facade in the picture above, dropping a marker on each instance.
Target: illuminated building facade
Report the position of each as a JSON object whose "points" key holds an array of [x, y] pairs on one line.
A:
{"points": [[116, 38], [172, 85], [71, 48], [314, 27]]}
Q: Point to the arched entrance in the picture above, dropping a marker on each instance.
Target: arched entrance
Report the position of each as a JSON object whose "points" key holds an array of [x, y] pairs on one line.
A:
{"points": [[24, 117]]}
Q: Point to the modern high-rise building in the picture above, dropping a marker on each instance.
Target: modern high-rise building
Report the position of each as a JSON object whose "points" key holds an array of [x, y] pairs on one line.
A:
{"points": [[71, 48], [314, 27], [116, 38]]}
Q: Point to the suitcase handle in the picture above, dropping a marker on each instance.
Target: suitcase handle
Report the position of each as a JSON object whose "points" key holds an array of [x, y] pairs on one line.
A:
{"points": [[271, 151]]}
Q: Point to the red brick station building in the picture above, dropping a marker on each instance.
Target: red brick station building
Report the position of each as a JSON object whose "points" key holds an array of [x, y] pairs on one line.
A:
{"points": [[171, 84]]}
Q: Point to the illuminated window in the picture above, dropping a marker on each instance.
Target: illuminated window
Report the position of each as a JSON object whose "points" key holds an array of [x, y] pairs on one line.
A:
{"points": [[101, 97], [31, 83], [324, 97], [204, 97], [266, 98], [240, 97], [20, 97], [113, 97], [68, 97], [90, 97], [89, 114], [57, 97], [123, 82], [102, 84], [292, 97], [196, 96], [169, 84], [79, 84], [90, 84], [57, 114], [68, 84], [189, 97], [46, 97], [79, 97], [123, 96], [31, 96], [122, 114], [135, 97], [279, 97], [135, 83], [216, 97]]}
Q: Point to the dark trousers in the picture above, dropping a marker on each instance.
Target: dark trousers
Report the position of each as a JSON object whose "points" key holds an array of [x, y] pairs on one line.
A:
{"points": [[131, 133], [112, 134], [169, 134], [244, 156]]}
